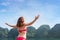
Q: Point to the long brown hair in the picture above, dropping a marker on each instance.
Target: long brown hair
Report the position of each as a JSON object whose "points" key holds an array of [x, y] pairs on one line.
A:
{"points": [[20, 22]]}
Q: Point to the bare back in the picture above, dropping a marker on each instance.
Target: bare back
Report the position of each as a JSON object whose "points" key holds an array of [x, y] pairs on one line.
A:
{"points": [[22, 31]]}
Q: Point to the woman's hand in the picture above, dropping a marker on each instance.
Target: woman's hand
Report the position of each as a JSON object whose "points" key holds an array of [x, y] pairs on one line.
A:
{"points": [[36, 17], [6, 23]]}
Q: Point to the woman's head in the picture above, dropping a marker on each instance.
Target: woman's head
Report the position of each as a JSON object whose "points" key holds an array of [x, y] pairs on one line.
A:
{"points": [[20, 21]]}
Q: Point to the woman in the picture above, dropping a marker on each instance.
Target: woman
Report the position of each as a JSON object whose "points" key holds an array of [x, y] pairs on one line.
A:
{"points": [[21, 27]]}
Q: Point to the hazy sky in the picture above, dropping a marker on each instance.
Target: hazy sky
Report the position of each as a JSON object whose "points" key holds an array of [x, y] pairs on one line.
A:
{"points": [[11, 10]]}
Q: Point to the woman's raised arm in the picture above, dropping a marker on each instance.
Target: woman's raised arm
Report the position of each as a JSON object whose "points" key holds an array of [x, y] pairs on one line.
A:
{"points": [[10, 25], [28, 24]]}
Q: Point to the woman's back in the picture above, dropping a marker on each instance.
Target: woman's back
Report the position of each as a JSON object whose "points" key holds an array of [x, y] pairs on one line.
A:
{"points": [[22, 31]]}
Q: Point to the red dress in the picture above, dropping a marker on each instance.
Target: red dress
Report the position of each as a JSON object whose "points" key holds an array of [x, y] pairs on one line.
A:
{"points": [[21, 38]]}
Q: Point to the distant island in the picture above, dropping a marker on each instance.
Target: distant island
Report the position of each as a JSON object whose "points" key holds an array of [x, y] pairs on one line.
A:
{"points": [[42, 33]]}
